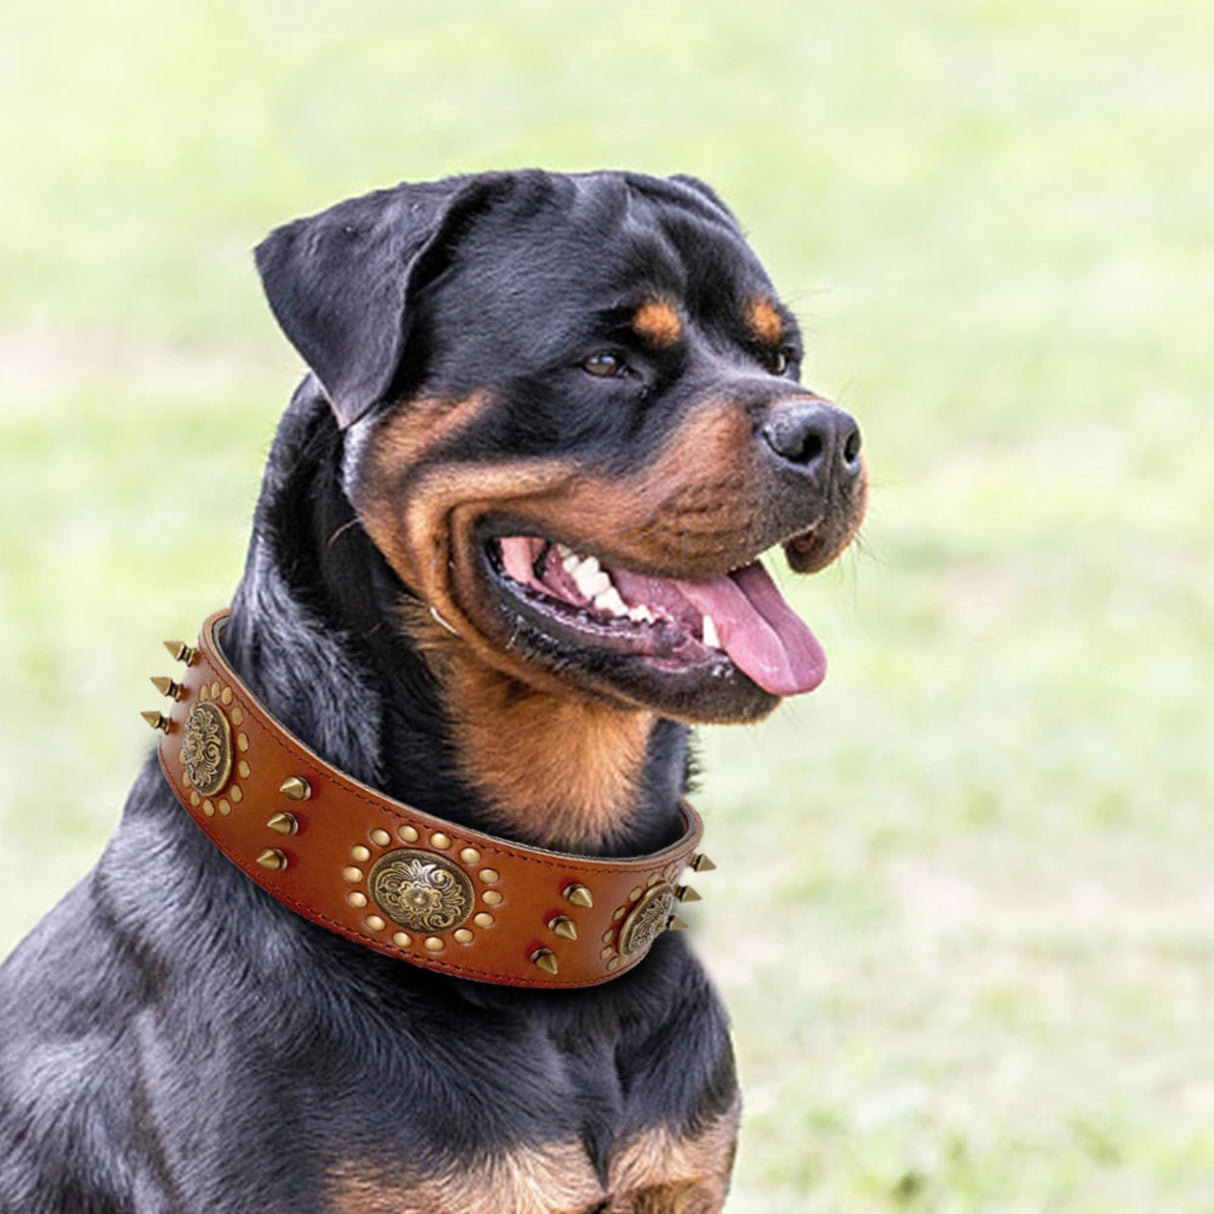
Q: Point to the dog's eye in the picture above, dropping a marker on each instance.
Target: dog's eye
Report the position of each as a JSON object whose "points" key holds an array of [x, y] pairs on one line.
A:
{"points": [[605, 365], [778, 362]]}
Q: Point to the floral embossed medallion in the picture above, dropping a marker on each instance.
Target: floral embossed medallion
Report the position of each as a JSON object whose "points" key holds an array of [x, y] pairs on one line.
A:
{"points": [[647, 920], [206, 748], [421, 891]]}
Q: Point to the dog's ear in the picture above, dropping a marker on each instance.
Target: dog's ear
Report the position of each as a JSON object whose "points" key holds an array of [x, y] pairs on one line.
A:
{"points": [[339, 283]]}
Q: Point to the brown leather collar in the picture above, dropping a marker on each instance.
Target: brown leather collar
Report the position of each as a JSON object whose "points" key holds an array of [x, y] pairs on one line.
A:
{"points": [[400, 881]]}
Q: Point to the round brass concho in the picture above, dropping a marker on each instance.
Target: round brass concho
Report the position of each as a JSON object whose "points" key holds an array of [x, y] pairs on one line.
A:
{"points": [[647, 920], [421, 891], [206, 748]]}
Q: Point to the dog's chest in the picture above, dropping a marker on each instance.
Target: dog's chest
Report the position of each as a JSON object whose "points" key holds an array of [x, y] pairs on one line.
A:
{"points": [[655, 1172]]}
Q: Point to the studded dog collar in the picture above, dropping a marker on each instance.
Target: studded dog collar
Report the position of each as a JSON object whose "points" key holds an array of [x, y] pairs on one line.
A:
{"points": [[400, 881]]}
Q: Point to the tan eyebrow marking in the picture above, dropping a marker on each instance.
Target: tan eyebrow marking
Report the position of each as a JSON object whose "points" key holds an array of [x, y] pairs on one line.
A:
{"points": [[658, 322], [765, 321]]}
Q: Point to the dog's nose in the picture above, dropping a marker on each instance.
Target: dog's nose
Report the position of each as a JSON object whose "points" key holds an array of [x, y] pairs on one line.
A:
{"points": [[816, 438]]}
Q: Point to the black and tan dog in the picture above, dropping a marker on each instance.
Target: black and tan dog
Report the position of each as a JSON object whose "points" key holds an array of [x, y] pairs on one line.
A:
{"points": [[506, 551]]}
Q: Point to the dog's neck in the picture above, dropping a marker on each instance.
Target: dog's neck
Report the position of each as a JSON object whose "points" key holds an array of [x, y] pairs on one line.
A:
{"points": [[318, 632]]}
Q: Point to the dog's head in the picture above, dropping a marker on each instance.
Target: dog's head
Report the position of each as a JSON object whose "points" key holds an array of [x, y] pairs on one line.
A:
{"points": [[574, 423]]}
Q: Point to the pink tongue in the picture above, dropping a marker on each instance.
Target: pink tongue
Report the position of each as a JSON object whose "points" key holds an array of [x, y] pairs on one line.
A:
{"points": [[761, 633]]}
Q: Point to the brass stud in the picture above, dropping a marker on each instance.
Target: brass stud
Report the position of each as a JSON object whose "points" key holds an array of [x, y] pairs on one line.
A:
{"points": [[195, 798], [402, 939], [462, 935], [237, 716], [225, 806], [359, 852], [491, 897], [215, 690], [470, 855], [226, 695], [433, 944], [606, 952], [490, 876], [242, 741], [208, 808], [236, 792], [483, 919], [352, 874], [204, 692], [166, 687], [685, 893], [375, 923], [654, 879], [439, 840], [579, 895], [273, 859], [701, 863], [563, 926], [356, 898], [546, 960], [242, 769], [284, 824], [380, 837], [156, 720], [635, 893], [675, 924], [618, 914], [613, 964], [607, 935], [181, 651], [294, 788], [407, 834]]}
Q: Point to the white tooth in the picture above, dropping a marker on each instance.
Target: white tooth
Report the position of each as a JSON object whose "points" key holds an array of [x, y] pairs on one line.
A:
{"points": [[646, 614], [636, 613], [709, 632], [610, 600], [563, 551], [571, 562], [585, 572], [591, 582]]}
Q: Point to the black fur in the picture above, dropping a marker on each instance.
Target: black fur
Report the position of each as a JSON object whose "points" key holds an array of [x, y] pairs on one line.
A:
{"points": [[175, 1040]]}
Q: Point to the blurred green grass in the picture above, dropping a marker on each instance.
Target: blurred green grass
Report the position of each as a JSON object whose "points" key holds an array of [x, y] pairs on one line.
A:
{"points": [[963, 917]]}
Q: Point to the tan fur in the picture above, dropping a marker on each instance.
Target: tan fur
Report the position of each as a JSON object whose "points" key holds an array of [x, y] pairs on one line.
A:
{"points": [[654, 1173], [659, 1173], [408, 433], [765, 321], [658, 322], [556, 1179], [559, 770]]}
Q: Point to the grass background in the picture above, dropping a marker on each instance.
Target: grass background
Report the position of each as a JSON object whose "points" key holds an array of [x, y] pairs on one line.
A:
{"points": [[963, 916]]}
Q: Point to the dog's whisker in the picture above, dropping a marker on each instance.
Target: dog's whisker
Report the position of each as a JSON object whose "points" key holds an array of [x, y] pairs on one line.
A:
{"points": [[438, 617], [342, 531]]}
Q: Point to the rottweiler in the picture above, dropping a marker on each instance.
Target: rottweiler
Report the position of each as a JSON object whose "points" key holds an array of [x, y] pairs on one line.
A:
{"points": [[506, 552]]}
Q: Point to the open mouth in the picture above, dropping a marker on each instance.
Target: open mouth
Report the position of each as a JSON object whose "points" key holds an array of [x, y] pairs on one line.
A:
{"points": [[737, 619]]}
